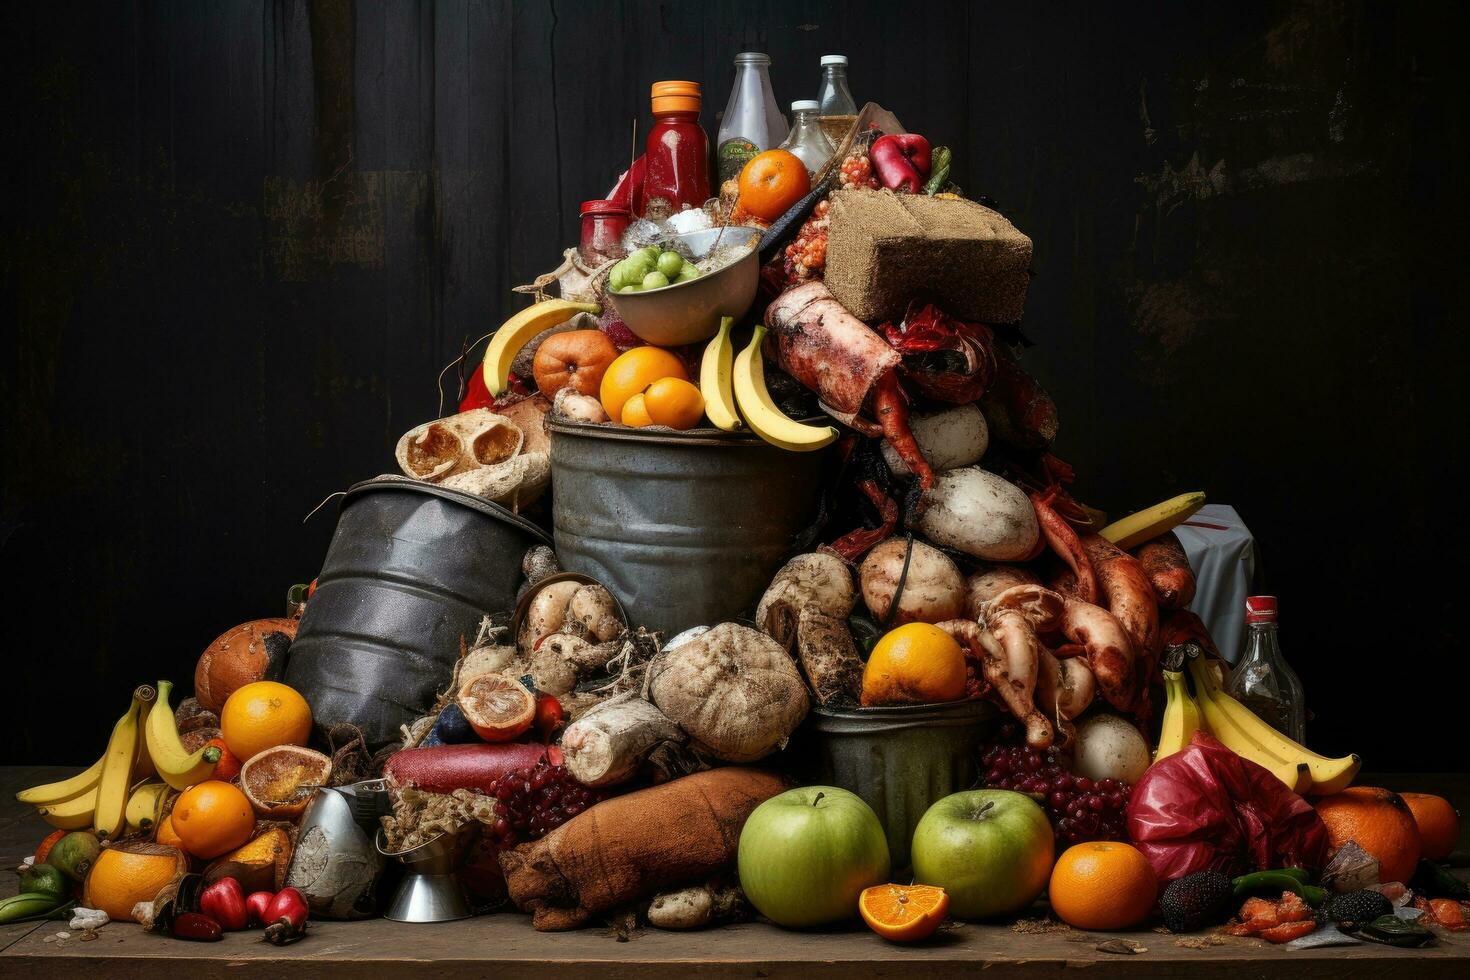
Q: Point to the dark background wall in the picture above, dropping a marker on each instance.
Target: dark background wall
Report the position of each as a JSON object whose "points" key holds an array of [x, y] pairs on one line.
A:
{"points": [[241, 239]]}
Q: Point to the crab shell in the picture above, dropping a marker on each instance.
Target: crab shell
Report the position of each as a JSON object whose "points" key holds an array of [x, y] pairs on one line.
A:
{"points": [[477, 452]]}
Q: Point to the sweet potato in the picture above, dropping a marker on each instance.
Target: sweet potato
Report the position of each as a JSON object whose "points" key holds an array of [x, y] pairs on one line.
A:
{"points": [[631, 847]]}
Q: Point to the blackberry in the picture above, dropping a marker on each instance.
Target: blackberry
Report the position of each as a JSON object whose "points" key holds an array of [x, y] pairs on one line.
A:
{"points": [[1353, 909], [1196, 900]]}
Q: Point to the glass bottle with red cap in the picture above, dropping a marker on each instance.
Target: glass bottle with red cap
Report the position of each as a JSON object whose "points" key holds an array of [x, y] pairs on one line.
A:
{"points": [[1263, 681], [676, 166]]}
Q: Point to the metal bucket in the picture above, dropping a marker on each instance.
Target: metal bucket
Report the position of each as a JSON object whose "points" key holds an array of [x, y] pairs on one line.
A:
{"points": [[411, 571], [685, 528], [901, 759]]}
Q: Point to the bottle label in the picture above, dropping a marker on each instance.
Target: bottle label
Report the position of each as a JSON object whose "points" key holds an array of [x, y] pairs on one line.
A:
{"points": [[733, 155]]}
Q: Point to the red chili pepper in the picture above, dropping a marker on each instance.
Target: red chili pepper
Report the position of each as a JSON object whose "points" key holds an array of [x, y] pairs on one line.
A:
{"points": [[256, 904], [285, 917], [902, 161], [224, 902], [196, 927]]}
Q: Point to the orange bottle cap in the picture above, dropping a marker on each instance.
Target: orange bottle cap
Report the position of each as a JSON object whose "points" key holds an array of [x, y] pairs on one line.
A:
{"points": [[675, 97]]}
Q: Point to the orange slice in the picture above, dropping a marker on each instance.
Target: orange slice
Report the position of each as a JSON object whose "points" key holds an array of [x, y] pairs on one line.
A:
{"points": [[903, 913], [498, 708]]}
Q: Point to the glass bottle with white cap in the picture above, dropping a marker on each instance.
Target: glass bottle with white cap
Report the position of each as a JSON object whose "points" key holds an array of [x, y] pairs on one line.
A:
{"points": [[807, 141], [835, 108], [752, 121]]}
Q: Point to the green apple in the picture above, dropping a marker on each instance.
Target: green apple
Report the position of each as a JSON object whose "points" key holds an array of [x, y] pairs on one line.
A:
{"points": [[806, 855], [991, 849]]}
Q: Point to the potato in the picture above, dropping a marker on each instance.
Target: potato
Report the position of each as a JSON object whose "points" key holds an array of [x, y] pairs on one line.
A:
{"points": [[933, 590], [820, 580], [980, 514], [576, 407], [949, 439], [593, 608], [546, 614], [1109, 747]]}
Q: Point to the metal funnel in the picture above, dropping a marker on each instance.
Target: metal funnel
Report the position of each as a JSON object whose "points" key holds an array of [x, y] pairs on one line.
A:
{"points": [[430, 890]]}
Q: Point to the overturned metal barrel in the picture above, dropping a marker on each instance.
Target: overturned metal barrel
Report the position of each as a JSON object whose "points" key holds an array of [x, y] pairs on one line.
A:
{"points": [[411, 571], [685, 528]]}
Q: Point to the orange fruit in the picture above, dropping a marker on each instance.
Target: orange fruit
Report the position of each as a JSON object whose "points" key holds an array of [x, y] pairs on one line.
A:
{"points": [[211, 818], [228, 766], [673, 402], [914, 664], [497, 707], [1438, 823], [635, 412], [771, 182], [1382, 824], [262, 715], [166, 834], [634, 371], [903, 913], [280, 781], [1102, 885], [127, 874]]}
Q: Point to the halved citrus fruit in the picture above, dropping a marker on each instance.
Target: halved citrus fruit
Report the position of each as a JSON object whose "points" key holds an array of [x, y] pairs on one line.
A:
{"points": [[903, 913], [279, 782], [498, 708]]}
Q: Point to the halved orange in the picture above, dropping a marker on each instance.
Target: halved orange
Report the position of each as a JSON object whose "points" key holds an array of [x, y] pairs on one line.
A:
{"points": [[280, 781], [903, 913], [497, 707]]}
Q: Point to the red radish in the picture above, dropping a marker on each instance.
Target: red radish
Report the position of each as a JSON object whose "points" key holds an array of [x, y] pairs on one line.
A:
{"points": [[285, 917], [224, 902], [446, 768], [256, 904]]}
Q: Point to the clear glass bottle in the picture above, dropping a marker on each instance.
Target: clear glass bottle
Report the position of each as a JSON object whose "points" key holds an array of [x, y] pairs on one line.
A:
{"points": [[835, 106], [752, 121], [1263, 681], [807, 141]]}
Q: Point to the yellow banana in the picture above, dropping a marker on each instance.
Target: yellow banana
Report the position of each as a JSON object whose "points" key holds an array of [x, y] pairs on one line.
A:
{"points": [[1328, 775], [73, 814], [516, 332], [145, 806], [49, 794], [761, 413], [1135, 529], [176, 765], [110, 817], [1181, 716], [1293, 772], [715, 383]]}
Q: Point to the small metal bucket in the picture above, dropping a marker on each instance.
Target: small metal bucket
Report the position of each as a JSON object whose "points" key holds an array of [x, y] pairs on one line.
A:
{"points": [[684, 528], [900, 760]]}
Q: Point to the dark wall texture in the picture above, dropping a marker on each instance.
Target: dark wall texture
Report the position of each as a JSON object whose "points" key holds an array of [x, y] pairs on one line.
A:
{"points": [[242, 238]]}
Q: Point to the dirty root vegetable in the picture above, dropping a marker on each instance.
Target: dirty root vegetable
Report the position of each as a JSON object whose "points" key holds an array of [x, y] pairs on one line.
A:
{"points": [[608, 743], [819, 580], [1109, 747], [575, 407], [446, 768], [593, 609], [828, 656], [734, 690], [981, 514], [224, 902], [989, 582], [546, 614], [561, 660], [949, 439], [285, 917], [933, 588]]}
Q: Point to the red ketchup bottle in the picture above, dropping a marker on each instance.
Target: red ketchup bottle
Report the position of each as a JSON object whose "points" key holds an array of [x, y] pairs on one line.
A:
{"points": [[676, 166]]}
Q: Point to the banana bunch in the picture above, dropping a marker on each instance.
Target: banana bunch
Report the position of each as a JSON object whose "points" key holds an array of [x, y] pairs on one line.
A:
{"points": [[1239, 730], [727, 381], [117, 794]]}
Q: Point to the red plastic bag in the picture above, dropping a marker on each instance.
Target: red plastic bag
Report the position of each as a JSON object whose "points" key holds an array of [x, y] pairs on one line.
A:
{"points": [[1206, 807]]}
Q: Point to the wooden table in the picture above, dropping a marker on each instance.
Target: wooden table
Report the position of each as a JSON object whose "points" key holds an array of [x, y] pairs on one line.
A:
{"points": [[506, 946]]}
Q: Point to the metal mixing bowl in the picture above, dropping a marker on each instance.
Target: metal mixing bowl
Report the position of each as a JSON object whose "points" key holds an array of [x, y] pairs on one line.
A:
{"points": [[689, 312]]}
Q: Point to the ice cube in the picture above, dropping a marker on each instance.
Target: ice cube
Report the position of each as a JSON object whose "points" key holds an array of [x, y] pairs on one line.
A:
{"points": [[691, 219], [642, 232]]}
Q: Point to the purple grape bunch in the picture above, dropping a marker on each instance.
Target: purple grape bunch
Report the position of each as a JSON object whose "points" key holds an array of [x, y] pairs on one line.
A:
{"points": [[1080, 809]]}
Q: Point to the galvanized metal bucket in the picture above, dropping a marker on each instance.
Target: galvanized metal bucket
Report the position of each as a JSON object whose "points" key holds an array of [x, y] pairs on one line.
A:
{"points": [[685, 528], [900, 759], [411, 571]]}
